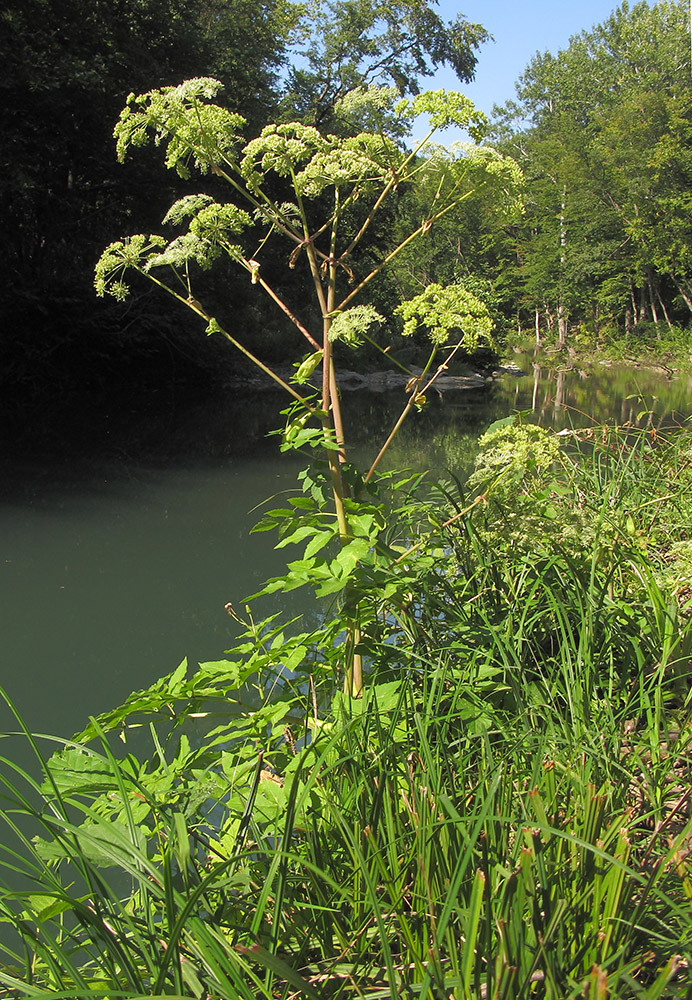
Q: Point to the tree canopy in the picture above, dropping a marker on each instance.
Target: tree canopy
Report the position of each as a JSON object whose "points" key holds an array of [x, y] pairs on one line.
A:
{"points": [[345, 44], [602, 130], [65, 72]]}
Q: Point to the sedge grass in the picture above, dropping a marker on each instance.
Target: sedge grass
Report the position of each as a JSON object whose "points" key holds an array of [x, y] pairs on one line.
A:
{"points": [[505, 813]]}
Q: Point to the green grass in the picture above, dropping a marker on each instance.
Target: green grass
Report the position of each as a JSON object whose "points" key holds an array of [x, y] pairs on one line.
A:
{"points": [[504, 814]]}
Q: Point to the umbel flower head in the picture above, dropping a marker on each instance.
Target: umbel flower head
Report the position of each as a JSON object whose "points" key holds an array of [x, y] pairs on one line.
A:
{"points": [[448, 311], [120, 257], [210, 229], [181, 118]]}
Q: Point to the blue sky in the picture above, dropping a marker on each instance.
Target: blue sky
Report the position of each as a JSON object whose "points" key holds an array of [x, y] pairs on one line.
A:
{"points": [[520, 29]]}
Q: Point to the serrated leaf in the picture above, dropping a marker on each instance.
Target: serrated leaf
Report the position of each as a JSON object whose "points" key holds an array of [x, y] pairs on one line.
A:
{"points": [[304, 531], [317, 542]]}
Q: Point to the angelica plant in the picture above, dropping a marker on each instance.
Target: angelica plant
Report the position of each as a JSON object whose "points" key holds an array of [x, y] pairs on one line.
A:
{"points": [[327, 175]]}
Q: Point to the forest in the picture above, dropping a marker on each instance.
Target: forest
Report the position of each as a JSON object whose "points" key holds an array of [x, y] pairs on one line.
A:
{"points": [[464, 773], [598, 252]]}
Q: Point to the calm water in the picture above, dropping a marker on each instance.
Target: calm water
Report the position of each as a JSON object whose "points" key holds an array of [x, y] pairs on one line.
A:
{"points": [[119, 555]]}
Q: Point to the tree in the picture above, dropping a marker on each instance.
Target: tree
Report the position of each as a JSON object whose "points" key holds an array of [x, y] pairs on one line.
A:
{"points": [[603, 133], [65, 71], [346, 44]]}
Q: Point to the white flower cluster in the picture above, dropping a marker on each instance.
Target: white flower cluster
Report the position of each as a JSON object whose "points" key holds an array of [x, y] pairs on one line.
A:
{"points": [[445, 311], [193, 131], [208, 235], [281, 149], [352, 324], [356, 161], [316, 161], [444, 109], [120, 257]]}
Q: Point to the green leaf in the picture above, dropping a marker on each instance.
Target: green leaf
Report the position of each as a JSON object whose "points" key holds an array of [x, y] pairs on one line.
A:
{"points": [[318, 542], [280, 968], [351, 554], [45, 907], [226, 670], [304, 531], [181, 843], [177, 677], [498, 424]]}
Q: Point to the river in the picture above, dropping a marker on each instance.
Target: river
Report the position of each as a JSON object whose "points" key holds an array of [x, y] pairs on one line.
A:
{"points": [[122, 545]]}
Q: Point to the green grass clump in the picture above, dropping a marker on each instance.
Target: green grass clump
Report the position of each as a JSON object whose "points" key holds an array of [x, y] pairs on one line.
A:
{"points": [[504, 813]]}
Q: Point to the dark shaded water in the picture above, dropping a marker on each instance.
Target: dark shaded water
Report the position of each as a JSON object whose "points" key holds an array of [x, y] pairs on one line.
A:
{"points": [[121, 548]]}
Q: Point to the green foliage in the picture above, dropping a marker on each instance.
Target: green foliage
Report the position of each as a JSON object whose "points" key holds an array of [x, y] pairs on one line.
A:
{"points": [[501, 813], [351, 169], [66, 70], [467, 780], [541, 495], [606, 154], [339, 185], [350, 44], [463, 245]]}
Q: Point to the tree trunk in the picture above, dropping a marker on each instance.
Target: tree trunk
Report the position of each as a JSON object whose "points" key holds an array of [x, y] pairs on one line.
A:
{"points": [[641, 312], [652, 305], [559, 394], [561, 325], [561, 312], [663, 307], [687, 298]]}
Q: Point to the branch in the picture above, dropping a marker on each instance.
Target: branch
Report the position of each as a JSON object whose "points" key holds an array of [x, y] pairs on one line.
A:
{"points": [[197, 308]]}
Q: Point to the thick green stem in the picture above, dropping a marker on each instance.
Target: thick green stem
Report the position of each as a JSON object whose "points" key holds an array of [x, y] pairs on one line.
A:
{"points": [[336, 413], [334, 466], [333, 460], [327, 423], [353, 662], [328, 371], [353, 675], [353, 665]]}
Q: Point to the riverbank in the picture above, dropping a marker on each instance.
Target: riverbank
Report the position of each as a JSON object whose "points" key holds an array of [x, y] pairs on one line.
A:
{"points": [[505, 812], [668, 358]]}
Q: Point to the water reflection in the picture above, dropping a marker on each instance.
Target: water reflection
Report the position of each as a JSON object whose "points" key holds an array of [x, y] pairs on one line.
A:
{"points": [[572, 396], [444, 435]]}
